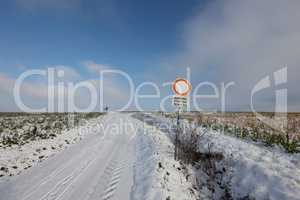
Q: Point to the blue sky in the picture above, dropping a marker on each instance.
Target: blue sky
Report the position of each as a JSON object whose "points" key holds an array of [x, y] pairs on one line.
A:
{"points": [[152, 41], [130, 34]]}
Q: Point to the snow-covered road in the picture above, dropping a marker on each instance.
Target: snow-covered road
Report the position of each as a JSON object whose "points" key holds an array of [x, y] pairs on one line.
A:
{"points": [[96, 168], [121, 159]]}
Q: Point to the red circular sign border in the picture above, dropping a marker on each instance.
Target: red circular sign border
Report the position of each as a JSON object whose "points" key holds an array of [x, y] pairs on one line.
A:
{"points": [[187, 83]]}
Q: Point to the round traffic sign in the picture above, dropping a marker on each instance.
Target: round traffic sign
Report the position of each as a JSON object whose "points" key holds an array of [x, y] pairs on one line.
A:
{"points": [[181, 87]]}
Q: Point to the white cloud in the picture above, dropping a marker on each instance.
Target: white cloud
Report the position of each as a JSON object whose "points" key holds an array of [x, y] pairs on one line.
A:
{"points": [[93, 67], [30, 89], [243, 41], [34, 93], [6, 83], [70, 74]]}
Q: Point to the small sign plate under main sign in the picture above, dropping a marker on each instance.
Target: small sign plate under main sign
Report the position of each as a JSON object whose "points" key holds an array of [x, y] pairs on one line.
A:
{"points": [[180, 103]]}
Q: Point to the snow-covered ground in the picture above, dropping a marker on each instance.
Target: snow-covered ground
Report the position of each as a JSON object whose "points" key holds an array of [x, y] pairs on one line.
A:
{"points": [[252, 171], [15, 159], [117, 160], [157, 174], [97, 167], [257, 171], [118, 156]]}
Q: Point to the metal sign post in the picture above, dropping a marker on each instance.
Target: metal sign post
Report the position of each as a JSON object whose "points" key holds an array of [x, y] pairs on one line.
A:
{"points": [[181, 88]]}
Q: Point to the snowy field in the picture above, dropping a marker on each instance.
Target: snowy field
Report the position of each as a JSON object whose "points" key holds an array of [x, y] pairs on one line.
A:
{"points": [[15, 158], [131, 156], [253, 171], [110, 161]]}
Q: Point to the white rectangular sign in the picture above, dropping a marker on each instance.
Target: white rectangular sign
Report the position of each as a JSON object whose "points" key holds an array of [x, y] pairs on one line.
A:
{"points": [[180, 103]]}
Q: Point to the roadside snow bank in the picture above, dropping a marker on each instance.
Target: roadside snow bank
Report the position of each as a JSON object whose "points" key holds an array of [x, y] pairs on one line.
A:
{"points": [[157, 174], [248, 171], [16, 158], [256, 171]]}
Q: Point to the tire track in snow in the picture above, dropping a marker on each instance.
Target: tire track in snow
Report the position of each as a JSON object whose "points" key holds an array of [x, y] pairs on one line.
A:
{"points": [[53, 174], [96, 191], [91, 151], [108, 181], [62, 186], [114, 181]]}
